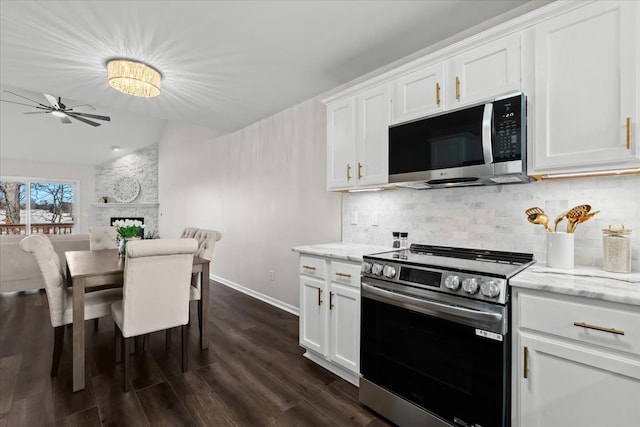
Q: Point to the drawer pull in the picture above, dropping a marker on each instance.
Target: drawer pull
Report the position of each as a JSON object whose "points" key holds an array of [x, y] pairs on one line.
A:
{"points": [[343, 275], [330, 300], [526, 363], [598, 328], [308, 267], [319, 296]]}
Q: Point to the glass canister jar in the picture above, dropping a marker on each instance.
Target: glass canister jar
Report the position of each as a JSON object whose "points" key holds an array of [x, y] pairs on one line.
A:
{"points": [[617, 249]]}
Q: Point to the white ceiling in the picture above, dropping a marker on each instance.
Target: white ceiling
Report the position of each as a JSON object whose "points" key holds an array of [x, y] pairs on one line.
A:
{"points": [[225, 64]]}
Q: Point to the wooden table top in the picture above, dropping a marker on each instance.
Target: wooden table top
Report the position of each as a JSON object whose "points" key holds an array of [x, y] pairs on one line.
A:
{"points": [[101, 262]]}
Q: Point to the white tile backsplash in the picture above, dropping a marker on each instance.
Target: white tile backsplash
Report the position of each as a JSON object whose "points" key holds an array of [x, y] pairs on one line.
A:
{"points": [[494, 218]]}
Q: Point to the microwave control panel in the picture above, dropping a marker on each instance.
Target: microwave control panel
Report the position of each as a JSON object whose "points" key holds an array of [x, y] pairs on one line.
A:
{"points": [[508, 128]]}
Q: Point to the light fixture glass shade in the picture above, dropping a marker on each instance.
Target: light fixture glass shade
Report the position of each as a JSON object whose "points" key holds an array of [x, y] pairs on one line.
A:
{"points": [[133, 78]]}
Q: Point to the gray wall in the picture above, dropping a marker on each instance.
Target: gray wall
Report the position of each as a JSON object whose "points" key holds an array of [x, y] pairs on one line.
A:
{"points": [[263, 187]]}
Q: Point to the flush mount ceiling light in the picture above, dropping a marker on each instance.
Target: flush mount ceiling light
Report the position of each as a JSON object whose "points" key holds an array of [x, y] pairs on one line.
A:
{"points": [[133, 78]]}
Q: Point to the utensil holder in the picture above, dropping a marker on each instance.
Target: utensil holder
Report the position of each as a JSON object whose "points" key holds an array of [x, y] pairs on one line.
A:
{"points": [[560, 247]]}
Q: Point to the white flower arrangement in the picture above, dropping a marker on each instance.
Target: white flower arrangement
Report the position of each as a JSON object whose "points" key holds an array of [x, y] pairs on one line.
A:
{"points": [[128, 227]]}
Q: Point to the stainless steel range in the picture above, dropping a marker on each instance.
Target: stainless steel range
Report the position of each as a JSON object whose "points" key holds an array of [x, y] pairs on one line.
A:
{"points": [[435, 339]]}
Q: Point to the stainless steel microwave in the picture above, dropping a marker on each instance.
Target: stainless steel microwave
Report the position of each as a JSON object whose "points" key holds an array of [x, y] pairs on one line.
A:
{"points": [[483, 144]]}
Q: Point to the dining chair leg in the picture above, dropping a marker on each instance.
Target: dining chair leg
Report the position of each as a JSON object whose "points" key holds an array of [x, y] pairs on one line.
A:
{"points": [[200, 315], [168, 338], [126, 364], [117, 343], [185, 347], [96, 323], [58, 341]]}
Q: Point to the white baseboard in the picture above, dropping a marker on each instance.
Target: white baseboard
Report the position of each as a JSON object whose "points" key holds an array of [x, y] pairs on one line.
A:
{"points": [[338, 370], [262, 297]]}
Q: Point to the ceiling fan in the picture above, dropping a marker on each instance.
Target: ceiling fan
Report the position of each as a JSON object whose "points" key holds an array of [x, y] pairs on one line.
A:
{"points": [[58, 109]]}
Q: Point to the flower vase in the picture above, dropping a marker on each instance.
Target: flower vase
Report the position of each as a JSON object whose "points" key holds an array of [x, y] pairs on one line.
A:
{"points": [[122, 245]]}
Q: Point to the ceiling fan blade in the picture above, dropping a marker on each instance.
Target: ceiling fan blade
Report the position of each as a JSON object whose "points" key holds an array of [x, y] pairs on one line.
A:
{"points": [[65, 120], [89, 122], [37, 112], [91, 116], [28, 99], [44, 107], [52, 100], [83, 105]]}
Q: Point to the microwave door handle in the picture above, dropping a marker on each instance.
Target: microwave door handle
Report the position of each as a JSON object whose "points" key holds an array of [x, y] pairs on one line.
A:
{"points": [[487, 119]]}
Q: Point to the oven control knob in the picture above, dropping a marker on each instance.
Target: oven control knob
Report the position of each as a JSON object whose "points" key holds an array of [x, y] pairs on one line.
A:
{"points": [[377, 269], [452, 282], [470, 286], [366, 267], [490, 289], [389, 272]]}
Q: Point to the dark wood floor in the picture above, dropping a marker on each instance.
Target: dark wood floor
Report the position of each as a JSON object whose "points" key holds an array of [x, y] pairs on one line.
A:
{"points": [[253, 373]]}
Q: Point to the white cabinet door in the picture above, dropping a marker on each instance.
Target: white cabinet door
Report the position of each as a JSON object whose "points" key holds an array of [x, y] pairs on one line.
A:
{"points": [[419, 93], [567, 386], [372, 150], [341, 144], [586, 89], [484, 72], [313, 314], [344, 329]]}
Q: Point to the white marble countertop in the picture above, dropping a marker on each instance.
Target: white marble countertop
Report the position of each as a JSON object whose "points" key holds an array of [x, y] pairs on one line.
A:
{"points": [[587, 282], [345, 251]]}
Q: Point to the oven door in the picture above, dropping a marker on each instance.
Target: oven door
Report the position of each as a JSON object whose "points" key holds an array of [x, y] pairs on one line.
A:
{"points": [[431, 354]]}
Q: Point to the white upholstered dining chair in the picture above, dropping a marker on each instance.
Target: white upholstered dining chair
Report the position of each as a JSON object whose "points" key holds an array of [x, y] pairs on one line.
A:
{"points": [[103, 238], [96, 304], [207, 240], [155, 296]]}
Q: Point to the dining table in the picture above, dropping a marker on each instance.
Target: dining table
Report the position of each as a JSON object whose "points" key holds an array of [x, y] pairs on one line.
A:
{"points": [[96, 269]]}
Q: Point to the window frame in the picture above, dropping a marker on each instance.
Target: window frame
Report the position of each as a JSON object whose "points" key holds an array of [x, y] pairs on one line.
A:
{"points": [[39, 180]]}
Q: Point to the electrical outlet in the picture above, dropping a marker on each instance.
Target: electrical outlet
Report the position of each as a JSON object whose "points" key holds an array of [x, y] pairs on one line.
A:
{"points": [[272, 275]]}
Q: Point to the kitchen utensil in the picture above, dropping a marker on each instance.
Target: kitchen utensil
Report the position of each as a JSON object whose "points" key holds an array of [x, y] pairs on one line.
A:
{"points": [[534, 210], [574, 214], [557, 221], [540, 218], [584, 218]]}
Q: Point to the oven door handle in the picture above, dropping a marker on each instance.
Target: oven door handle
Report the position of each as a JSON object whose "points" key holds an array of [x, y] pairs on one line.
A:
{"points": [[455, 313]]}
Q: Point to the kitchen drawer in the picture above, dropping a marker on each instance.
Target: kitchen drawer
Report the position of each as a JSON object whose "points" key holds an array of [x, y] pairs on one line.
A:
{"points": [[312, 266], [559, 314], [345, 273]]}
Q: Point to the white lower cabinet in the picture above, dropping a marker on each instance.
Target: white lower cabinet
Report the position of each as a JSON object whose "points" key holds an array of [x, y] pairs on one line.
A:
{"points": [[576, 362], [330, 315]]}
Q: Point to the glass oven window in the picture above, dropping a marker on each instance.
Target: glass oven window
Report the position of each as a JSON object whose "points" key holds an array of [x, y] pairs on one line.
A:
{"points": [[442, 366]]}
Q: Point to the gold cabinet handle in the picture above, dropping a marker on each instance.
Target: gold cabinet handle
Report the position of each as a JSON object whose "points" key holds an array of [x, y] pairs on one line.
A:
{"points": [[628, 133], [308, 267], [330, 300], [598, 328], [457, 87], [525, 374], [319, 296], [359, 170], [437, 93], [343, 274], [348, 171]]}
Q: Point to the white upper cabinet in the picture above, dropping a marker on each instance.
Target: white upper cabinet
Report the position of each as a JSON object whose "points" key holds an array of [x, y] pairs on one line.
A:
{"points": [[357, 140], [586, 90], [341, 147], [373, 137], [484, 72], [419, 93], [473, 76]]}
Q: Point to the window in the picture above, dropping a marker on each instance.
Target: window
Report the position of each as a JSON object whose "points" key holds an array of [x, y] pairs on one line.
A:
{"points": [[49, 210]]}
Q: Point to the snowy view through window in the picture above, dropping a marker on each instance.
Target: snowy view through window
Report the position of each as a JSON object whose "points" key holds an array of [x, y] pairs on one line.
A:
{"points": [[49, 211]]}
